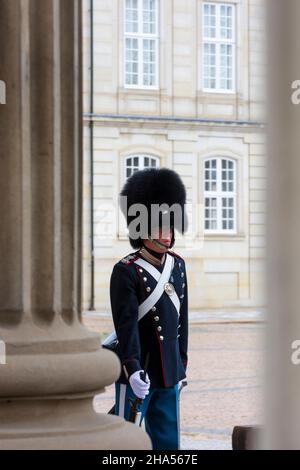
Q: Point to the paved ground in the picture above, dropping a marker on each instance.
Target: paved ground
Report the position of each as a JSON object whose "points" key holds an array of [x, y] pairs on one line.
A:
{"points": [[225, 377]]}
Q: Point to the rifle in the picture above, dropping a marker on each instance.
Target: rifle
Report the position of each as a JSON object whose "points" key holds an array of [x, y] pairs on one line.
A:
{"points": [[136, 404]]}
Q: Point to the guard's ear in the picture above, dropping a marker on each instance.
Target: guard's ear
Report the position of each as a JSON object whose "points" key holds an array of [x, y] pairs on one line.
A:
{"points": [[173, 238]]}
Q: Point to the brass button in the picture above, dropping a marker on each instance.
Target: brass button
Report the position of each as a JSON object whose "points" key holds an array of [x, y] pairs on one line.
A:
{"points": [[182, 274], [178, 336], [179, 326], [140, 270], [153, 309], [156, 318], [161, 338], [183, 285], [159, 328], [144, 279], [148, 289]]}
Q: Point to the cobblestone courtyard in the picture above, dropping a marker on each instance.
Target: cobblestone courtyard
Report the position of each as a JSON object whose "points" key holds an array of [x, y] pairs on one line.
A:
{"points": [[224, 381]]}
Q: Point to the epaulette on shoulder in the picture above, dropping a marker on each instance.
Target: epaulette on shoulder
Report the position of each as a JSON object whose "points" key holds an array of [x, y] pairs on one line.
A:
{"points": [[176, 255], [129, 259]]}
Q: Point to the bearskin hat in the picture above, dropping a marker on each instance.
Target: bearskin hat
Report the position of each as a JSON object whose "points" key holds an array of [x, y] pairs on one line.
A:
{"points": [[154, 186]]}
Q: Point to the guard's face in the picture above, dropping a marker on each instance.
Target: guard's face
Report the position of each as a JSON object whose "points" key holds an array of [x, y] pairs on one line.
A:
{"points": [[164, 236]]}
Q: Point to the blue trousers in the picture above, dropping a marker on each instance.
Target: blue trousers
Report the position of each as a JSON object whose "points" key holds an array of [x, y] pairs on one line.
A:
{"points": [[160, 410]]}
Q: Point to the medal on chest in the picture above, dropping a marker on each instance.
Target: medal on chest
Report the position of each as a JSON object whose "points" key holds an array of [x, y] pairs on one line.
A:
{"points": [[169, 288]]}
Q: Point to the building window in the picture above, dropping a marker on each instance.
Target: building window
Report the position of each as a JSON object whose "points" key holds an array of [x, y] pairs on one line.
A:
{"points": [[141, 43], [220, 195], [218, 64], [140, 162]]}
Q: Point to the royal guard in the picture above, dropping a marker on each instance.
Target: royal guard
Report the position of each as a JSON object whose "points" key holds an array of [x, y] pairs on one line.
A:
{"points": [[149, 301]]}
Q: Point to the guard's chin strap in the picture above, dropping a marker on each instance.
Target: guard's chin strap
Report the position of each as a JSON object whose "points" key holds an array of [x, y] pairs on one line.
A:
{"points": [[158, 245]]}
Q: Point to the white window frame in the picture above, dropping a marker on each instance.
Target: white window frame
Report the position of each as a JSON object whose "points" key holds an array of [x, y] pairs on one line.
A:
{"points": [[219, 194], [140, 36], [141, 162], [217, 42]]}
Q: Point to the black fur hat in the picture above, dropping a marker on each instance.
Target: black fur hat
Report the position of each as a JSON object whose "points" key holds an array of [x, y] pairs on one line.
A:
{"points": [[154, 186]]}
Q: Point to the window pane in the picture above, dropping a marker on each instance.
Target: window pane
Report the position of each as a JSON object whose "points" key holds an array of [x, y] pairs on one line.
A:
{"points": [[140, 51], [228, 214], [226, 23], [149, 62], [226, 69], [132, 165], [210, 215], [131, 16], [218, 35], [209, 21], [227, 176], [209, 66], [219, 207], [149, 16], [131, 61], [210, 175]]}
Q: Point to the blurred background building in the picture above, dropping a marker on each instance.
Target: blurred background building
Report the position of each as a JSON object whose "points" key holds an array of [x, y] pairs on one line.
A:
{"points": [[179, 84]]}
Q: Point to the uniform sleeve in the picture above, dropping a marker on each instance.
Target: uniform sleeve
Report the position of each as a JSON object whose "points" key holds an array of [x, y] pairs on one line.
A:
{"points": [[124, 305], [183, 338]]}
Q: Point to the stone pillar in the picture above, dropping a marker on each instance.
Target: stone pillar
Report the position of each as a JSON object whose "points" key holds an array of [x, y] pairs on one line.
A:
{"points": [[283, 378], [54, 364]]}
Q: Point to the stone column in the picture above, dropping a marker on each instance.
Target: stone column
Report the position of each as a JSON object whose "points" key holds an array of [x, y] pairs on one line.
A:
{"points": [[283, 377], [54, 365]]}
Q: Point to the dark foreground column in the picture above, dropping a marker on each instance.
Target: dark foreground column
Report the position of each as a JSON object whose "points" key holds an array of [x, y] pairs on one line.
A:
{"points": [[283, 377], [54, 365]]}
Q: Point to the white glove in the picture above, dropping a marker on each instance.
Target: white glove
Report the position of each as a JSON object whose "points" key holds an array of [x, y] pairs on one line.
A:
{"points": [[180, 383], [139, 387]]}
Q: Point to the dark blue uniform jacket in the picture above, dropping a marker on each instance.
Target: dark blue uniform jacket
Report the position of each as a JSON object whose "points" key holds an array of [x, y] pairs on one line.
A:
{"points": [[161, 332]]}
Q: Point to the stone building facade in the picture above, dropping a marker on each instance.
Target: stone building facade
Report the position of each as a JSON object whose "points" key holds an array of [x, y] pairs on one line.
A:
{"points": [[178, 84]]}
